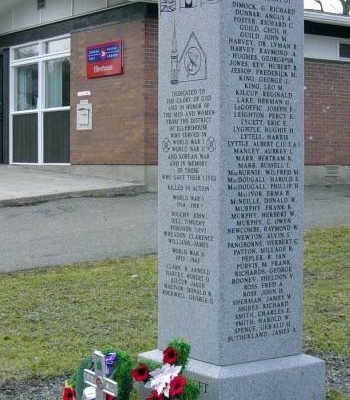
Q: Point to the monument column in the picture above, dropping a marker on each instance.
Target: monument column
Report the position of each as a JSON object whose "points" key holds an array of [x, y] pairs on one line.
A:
{"points": [[231, 196]]}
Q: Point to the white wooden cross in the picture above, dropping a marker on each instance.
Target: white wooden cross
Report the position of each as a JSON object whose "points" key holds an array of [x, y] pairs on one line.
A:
{"points": [[98, 378]]}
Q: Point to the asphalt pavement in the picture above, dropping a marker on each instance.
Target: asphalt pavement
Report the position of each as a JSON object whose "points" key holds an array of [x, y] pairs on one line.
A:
{"points": [[83, 229], [38, 228], [75, 230], [326, 206]]}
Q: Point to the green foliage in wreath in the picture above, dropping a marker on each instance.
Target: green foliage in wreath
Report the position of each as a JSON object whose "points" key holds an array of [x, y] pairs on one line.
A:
{"points": [[191, 389], [183, 350], [121, 374]]}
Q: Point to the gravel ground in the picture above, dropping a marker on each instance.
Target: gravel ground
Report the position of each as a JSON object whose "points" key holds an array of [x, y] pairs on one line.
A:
{"points": [[338, 377], [338, 372], [36, 389]]}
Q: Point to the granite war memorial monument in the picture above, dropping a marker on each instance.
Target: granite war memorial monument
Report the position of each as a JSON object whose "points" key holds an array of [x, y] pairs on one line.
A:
{"points": [[231, 196]]}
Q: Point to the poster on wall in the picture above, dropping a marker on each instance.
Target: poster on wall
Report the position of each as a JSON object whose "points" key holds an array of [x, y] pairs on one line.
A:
{"points": [[104, 59]]}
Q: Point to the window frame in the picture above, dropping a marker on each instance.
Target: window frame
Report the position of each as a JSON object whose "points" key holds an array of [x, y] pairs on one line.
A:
{"points": [[41, 108], [22, 46], [340, 42], [45, 107]]}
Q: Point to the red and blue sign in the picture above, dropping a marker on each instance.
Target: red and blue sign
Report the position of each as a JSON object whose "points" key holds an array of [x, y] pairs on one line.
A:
{"points": [[104, 59]]}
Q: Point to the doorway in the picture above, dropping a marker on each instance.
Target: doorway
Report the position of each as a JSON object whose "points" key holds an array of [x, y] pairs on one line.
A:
{"points": [[40, 102]]}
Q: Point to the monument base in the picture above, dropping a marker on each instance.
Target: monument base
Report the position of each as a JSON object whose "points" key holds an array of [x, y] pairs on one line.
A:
{"points": [[299, 377]]}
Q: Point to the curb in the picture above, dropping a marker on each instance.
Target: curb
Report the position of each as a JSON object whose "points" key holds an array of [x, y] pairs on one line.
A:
{"points": [[127, 190]]}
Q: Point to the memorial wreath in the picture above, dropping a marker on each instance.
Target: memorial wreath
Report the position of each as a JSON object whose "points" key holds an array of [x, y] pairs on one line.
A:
{"points": [[118, 366], [111, 370]]}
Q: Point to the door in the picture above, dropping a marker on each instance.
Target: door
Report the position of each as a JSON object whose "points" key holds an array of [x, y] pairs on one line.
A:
{"points": [[25, 118], [40, 125]]}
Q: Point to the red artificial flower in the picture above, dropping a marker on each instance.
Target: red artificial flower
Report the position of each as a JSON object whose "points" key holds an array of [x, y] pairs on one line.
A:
{"points": [[177, 385], [69, 394], [170, 356], [155, 396], [140, 373]]}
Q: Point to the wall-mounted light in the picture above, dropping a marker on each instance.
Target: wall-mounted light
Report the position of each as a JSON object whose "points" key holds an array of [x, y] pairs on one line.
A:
{"points": [[41, 4]]}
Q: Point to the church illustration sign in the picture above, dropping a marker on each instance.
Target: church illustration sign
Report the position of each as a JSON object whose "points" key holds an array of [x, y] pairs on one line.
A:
{"points": [[191, 65]]}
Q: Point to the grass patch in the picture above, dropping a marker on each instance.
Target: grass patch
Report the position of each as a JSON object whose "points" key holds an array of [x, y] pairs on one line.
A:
{"points": [[335, 395], [51, 319], [326, 290]]}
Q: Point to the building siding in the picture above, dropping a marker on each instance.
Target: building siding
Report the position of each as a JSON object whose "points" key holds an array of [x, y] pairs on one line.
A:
{"points": [[118, 122], [327, 116], [151, 91]]}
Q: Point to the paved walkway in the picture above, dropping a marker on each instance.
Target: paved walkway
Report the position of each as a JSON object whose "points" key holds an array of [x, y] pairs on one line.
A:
{"points": [[19, 185]]}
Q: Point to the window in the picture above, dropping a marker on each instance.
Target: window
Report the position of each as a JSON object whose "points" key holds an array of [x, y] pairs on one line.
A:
{"points": [[26, 51], [57, 46], [57, 83], [344, 50], [41, 74], [26, 87]]}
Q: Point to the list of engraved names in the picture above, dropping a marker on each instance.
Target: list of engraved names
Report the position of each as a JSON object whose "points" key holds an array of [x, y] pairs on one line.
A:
{"points": [[263, 184]]}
